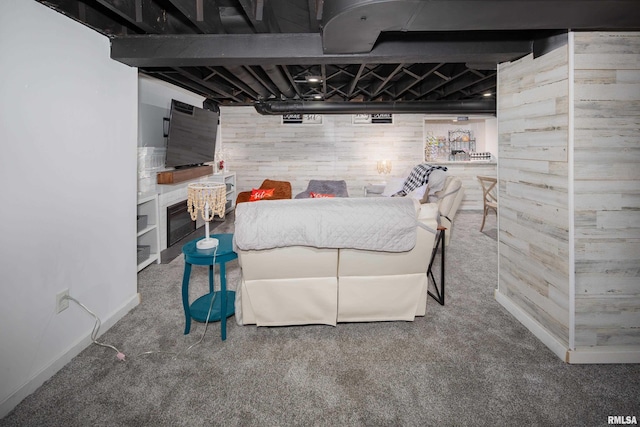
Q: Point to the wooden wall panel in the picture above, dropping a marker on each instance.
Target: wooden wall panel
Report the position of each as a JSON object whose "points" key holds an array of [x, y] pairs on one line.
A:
{"points": [[533, 120], [607, 189], [537, 198], [259, 147]]}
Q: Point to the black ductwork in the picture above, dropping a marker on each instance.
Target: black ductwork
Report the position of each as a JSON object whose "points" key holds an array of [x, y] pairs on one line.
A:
{"points": [[408, 107], [354, 26], [245, 77], [278, 78]]}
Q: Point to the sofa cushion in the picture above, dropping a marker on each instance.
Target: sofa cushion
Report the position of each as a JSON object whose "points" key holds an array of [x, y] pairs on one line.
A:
{"points": [[393, 186], [418, 193], [429, 211]]}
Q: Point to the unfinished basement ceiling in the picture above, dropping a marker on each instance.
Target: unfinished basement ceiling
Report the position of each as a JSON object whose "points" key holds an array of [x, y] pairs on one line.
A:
{"points": [[435, 56]]}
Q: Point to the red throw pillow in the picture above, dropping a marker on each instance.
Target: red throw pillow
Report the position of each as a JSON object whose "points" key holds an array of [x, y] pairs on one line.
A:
{"points": [[261, 193], [320, 195]]}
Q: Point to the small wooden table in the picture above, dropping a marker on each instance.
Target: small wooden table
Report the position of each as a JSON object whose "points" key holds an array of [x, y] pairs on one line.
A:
{"points": [[223, 300]]}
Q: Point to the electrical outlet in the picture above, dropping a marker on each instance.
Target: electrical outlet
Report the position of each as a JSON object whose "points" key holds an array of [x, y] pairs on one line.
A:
{"points": [[61, 302]]}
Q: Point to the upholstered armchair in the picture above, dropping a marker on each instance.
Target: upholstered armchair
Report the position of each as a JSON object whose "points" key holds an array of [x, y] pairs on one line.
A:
{"points": [[281, 190], [324, 187]]}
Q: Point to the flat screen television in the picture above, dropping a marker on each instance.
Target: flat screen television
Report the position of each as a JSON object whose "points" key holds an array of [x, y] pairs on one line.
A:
{"points": [[191, 137]]}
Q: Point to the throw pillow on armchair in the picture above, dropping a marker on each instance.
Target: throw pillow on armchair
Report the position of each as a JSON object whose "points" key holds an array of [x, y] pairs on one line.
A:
{"points": [[281, 190], [320, 195], [259, 194]]}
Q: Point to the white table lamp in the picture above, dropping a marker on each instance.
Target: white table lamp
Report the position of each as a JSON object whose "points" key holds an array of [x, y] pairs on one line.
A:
{"points": [[206, 199]]}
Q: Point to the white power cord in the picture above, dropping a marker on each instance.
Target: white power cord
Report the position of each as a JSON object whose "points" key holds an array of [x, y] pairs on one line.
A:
{"points": [[96, 328], [120, 355]]}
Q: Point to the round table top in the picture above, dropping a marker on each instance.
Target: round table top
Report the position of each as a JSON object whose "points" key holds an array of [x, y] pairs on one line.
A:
{"points": [[225, 251]]}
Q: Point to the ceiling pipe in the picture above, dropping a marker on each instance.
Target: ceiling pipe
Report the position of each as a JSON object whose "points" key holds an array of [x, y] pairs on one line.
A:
{"points": [[407, 107], [279, 79], [246, 78]]}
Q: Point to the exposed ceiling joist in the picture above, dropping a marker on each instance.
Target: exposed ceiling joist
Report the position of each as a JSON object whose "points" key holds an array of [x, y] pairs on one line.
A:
{"points": [[242, 52], [254, 9], [203, 14], [290, 49]]}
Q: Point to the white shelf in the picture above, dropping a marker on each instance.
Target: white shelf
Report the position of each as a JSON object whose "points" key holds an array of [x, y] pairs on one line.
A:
{"points": [[149, 235], [228, 178]]}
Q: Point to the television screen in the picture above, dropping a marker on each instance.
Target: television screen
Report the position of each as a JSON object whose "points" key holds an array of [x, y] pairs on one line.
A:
{"points": [[191, 138]]}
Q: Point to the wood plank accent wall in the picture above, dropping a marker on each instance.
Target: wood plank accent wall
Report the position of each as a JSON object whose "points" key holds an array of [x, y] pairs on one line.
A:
{"points": [[259, 147], [607, 189], [569, 194], [533, 119]]}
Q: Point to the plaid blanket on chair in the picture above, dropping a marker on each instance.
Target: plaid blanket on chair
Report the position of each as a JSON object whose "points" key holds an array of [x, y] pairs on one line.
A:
{"points": [[418, 177]]}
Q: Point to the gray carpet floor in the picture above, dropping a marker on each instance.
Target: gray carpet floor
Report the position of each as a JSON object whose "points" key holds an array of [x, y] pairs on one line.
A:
{"points": [[468, 363]]}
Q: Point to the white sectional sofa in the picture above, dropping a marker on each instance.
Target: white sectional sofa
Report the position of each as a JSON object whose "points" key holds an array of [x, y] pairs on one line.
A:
{"points": [[447, 201], [324, 261], [444, 192]]}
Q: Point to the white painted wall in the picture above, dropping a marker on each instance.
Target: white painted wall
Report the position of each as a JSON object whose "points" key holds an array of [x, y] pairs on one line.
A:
{"points": [[491, 136], [68, 120]]}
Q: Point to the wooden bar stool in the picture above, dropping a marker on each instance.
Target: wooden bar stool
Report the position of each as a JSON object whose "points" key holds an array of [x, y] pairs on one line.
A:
{"points": [[489, 196]]}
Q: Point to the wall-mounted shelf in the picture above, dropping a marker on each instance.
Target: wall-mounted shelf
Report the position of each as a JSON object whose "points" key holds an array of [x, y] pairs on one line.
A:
{"points": [[181, 175]]}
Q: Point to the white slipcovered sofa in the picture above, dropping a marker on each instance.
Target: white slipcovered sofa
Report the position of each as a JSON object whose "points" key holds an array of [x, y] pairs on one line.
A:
{"points": [[323, 261], [444, 192], [447, 201]]}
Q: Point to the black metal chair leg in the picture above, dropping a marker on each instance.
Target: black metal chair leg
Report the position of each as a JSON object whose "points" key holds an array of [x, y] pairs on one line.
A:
{"points": [[439, 292]]}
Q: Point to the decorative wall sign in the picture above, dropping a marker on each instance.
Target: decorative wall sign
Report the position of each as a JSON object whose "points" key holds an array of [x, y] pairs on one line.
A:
{"points": [[366, 119], [302, 119]]}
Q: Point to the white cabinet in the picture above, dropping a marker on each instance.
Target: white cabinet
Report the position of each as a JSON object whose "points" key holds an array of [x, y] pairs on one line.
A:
{"points": [[148, 231], [228, 178]]}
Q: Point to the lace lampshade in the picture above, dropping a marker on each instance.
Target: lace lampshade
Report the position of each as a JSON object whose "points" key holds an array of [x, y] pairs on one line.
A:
{"points": [[206, 199], [384, 167]]}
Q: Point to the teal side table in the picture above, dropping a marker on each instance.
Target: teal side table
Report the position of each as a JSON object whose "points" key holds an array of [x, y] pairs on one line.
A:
{"points": [[223, 300]]}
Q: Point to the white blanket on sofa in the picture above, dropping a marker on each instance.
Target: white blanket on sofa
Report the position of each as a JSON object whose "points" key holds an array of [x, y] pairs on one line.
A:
{"points": [[373, 223]]}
